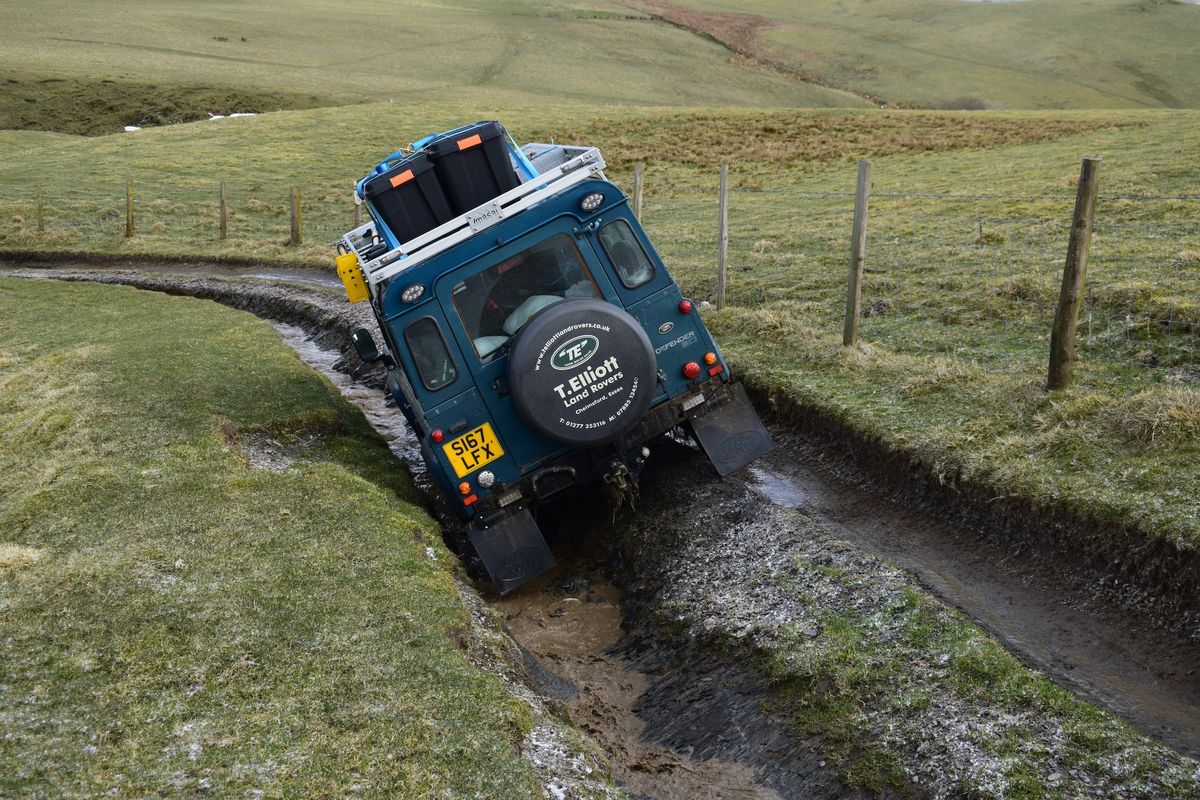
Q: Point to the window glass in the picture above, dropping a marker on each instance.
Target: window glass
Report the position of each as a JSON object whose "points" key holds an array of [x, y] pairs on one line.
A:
{"points": [[634, 267], [496, 302], [428, 349]]}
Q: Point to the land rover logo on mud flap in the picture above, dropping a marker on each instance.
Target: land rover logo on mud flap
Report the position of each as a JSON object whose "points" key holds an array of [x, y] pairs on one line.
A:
{"points": [[666, 327], [574, 352]]}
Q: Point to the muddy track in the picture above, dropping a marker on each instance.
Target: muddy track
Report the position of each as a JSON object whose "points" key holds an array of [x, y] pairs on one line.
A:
{"points": [[738, 33], [1124, 658]]}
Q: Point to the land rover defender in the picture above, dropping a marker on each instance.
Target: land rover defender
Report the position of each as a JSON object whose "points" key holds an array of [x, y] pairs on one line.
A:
{"points": [[534, 339]]}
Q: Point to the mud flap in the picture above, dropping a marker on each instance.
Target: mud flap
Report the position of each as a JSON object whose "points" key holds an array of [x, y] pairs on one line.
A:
{"points": [[732, 435], [512, 549]]}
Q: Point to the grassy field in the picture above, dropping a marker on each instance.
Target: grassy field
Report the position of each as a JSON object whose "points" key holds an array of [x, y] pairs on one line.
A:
{"points": [[955, 54], [177, 622], [966, 241], [81, 66]]}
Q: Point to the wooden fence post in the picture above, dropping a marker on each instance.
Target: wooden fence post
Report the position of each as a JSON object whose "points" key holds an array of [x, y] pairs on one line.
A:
{"points": [[722, 236], [858, 253], [638, 169], [128, 208], [1062, 336], [295, 240], [223, 212], [41, 210], [357, 214]]}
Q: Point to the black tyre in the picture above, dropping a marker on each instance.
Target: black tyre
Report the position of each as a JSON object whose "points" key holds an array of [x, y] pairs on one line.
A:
{"points": [[582, 372]]}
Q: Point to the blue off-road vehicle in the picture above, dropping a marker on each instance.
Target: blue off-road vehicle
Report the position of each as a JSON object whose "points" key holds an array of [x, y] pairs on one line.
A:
{"points": [[534, 339]]}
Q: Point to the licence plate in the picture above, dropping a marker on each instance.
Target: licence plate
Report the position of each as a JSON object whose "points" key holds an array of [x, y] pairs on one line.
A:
{"points": [[473, 449]]}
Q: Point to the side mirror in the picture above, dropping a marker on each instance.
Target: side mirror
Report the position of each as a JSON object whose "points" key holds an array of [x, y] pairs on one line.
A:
{"points": [[365, 345]]}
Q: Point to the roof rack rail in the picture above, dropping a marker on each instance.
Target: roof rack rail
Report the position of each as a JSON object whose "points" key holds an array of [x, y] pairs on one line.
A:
{"points": [[581, 164]]}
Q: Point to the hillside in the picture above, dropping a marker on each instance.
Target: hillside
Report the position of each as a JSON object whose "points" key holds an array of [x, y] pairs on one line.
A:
{"points": [[969, 54], [85, 67]]}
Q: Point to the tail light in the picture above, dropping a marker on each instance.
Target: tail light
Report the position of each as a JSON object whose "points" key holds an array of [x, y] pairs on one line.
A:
{"points": [[437, 435], [685, 306], [710, 358], [691, 370]]}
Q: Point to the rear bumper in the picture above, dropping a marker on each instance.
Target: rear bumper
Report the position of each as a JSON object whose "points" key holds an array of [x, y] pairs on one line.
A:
{"points": [[588, 466]]}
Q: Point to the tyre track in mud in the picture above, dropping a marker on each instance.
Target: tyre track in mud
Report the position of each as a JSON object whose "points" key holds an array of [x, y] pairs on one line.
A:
{"points": [[1114, 657]]}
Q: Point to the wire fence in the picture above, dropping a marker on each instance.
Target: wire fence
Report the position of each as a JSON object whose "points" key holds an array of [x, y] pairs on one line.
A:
{"points": [[975, 274]]}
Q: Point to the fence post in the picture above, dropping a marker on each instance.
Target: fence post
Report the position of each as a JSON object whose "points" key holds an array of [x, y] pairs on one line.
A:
{"points": [[295, 240], [858, 252], [128, 208], [722, 236], [221, 208], [1062, 336], [41, 210], [638, 169], [357, 214]]}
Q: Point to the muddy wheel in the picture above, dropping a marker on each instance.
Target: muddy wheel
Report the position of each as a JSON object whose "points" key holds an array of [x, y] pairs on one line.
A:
{"points": [[582, 372]]}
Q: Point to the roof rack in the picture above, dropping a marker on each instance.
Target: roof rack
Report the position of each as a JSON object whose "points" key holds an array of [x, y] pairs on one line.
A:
{"points": [[581, 164]]}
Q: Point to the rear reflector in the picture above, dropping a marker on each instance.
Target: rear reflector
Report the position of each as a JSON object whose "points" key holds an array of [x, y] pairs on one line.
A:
{"points": [[715, 370], [474, 498], [469, 142], [402, 178]]}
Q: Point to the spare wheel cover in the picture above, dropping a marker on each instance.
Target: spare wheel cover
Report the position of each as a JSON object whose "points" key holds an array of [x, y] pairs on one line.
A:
{"points": [[582, 372]]}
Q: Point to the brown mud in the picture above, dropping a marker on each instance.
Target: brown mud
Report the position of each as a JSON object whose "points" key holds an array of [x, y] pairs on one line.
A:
{"points": [[571, 636], [1078, 626]]}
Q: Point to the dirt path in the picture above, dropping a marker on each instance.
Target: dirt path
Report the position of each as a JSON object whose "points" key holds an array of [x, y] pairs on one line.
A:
{"points": [[739, 32], [1049, 618]]}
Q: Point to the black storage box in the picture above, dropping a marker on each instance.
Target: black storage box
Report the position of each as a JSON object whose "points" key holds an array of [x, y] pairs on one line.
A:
{"points": [[408, 198], [473, 165]]}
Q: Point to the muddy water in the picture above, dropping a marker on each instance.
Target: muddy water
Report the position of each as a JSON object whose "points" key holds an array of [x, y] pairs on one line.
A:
{"points": [[573, 636], [1042, 614]]}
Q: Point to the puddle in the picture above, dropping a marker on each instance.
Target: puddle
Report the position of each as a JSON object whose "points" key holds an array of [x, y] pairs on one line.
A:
{"points": [[574, 636], [1111, 657]]}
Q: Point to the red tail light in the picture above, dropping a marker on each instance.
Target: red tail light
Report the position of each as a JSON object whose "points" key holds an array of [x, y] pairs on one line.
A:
{"points": [[691, 370], [437, 435], [685, 306]]}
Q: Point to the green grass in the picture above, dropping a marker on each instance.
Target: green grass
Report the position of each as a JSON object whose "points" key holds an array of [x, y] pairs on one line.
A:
{"points": [[175, 622], [955, 54], [114, 67], [955, 347]]}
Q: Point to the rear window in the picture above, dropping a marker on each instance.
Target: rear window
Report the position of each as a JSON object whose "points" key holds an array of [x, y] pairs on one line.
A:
{"points": [[430, 354], [495, 303], [634, 267]]}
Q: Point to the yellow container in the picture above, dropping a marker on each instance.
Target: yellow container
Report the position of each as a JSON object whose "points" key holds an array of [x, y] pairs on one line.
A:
{"points": [[352, 277]]}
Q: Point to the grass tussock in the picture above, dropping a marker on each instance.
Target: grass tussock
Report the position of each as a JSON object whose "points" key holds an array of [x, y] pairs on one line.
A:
{"points": [[180, 620], [15, 556], [1166, 418]]}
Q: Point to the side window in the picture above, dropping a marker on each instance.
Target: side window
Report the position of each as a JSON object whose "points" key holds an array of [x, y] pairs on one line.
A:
{"points": [[634, 267], [428, 349]]}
